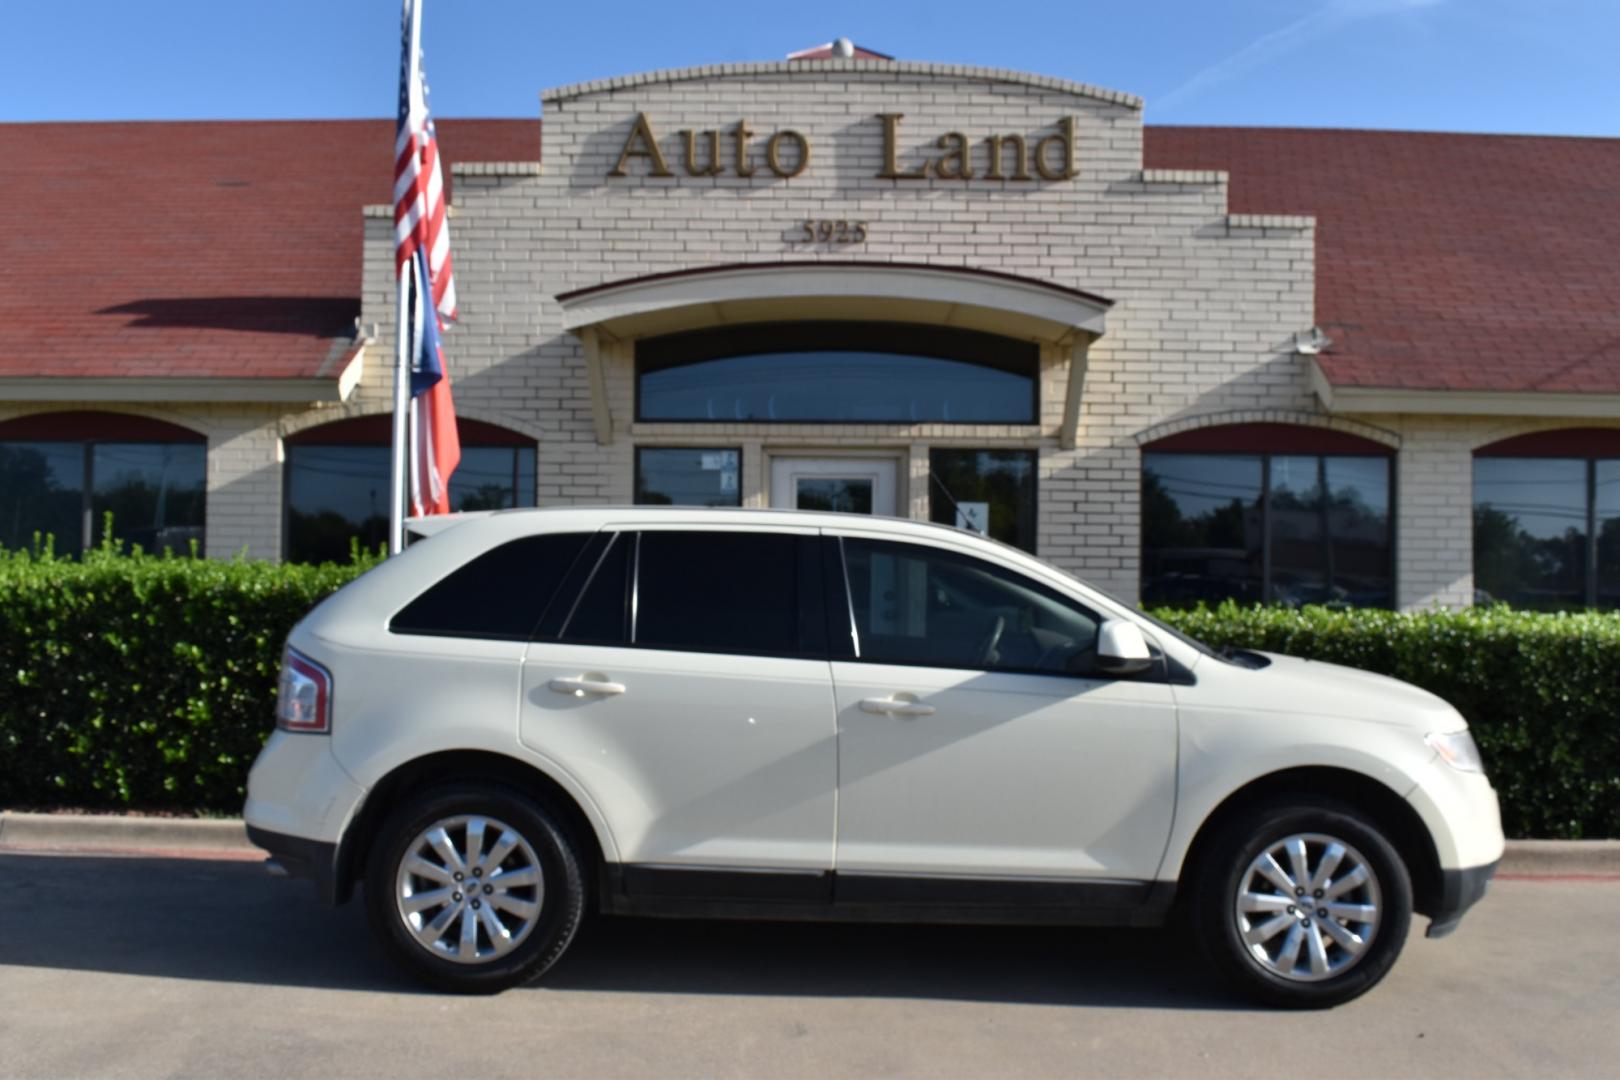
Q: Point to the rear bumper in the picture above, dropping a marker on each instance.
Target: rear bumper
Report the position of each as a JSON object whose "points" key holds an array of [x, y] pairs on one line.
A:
{"points": [[1459, 891], [313, 860]]}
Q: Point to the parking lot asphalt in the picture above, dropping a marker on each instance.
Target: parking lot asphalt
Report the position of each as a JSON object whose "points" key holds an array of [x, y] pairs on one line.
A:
{"points": [[146, 967]]}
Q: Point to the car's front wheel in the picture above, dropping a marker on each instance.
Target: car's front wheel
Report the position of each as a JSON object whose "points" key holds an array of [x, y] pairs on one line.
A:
{"points": [[474, 888], [1303, 904]]}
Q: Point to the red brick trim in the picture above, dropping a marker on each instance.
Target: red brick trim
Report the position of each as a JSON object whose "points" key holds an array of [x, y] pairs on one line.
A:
{"points": [[88, 426], [1267, 439], [378, 431], [1561, 443]]}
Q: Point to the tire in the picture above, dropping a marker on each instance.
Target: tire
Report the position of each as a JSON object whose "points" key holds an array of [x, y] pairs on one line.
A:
{"points": [[421, 910], [1266, 943]]}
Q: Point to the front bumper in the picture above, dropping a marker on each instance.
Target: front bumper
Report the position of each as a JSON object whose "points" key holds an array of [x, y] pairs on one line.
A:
{"points": [[1459, 891]]}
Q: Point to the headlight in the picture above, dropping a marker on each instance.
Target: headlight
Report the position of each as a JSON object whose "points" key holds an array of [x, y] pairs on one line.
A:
{"points": [[1458, 750]]}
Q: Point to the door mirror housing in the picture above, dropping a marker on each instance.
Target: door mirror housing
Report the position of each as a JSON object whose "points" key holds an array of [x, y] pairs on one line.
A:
{"points": [[1121, 648]]}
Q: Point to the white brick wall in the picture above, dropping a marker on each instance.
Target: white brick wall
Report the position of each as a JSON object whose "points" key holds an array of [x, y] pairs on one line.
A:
{"points": [[1206, 302]]}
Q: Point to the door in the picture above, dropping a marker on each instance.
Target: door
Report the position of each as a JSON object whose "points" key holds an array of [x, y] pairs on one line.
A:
{"points": [[688, 690], [847, 485], [976, 737]]}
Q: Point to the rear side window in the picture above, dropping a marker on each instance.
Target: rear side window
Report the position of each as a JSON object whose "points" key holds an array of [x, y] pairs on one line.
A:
{"points": [[602, 614], [729, 592], [501, 594]]}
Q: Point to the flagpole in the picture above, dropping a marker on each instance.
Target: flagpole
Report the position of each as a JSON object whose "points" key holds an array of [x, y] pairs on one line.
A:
{"points": [[402, 396]]}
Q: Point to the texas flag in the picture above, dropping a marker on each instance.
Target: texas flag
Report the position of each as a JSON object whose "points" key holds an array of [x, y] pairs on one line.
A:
{"points": [[435, 446]]}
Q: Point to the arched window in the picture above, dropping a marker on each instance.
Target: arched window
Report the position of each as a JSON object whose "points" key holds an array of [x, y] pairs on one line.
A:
{"points": [[62, 473], [1274, 513], [1547, 520], [837, 372], [337, 477]]}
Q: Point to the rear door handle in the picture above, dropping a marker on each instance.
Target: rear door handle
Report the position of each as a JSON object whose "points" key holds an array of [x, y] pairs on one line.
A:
{"points": [[581, 685], [896, 706]]}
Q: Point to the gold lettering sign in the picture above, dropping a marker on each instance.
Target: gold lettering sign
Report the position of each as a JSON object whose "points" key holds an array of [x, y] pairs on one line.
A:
{"points": [[1006, 156]]}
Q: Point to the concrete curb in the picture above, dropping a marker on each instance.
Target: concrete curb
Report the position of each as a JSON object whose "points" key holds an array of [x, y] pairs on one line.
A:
{"points": [[226, 838], [212, 837]]}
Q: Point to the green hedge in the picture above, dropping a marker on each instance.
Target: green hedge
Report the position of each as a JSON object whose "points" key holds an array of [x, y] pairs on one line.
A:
{"points": [[128, 680], [1540, 691]]}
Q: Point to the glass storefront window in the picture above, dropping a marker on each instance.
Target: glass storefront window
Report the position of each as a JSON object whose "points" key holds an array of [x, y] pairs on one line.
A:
{"points": [[879, 373], [670, 476], [1201, 528], [1606, 495], [42, 491], [1281, 528], [155, 492], [1532, 543], [988, 491], [335, 493]]}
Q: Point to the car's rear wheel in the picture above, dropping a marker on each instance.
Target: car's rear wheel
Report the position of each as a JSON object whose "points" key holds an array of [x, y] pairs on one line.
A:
{"points": [[474, 888], [1303, 904]]}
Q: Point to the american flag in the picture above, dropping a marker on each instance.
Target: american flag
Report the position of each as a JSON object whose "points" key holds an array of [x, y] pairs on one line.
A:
{"points": [[422, 249], [419, 203]]}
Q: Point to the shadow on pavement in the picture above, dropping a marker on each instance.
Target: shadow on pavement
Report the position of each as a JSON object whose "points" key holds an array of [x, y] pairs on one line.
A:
{"points": [[229, 922]]}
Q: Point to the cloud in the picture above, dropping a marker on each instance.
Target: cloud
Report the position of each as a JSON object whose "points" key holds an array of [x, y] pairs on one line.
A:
{"points": [[1268, 46]]}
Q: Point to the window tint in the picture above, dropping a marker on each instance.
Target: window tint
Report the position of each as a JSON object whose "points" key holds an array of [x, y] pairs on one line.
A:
{"points": [[916, 605], [500, 594], [602, 615], [723, 592]]}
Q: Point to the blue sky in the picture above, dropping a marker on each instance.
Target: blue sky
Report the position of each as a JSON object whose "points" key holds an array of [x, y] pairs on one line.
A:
{"points": [[1543, 66]]}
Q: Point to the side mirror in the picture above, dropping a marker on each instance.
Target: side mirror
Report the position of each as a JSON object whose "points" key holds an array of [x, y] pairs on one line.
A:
{"points": [[1121, 648]]}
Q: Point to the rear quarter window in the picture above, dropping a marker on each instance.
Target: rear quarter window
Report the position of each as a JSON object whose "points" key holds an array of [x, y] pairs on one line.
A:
{"points": [[501, 594]]}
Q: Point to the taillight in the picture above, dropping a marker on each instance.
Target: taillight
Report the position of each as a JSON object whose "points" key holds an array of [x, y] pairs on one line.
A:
{"points": [[304, 699]]}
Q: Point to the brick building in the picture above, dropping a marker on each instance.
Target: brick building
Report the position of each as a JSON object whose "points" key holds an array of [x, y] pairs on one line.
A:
{"points": [[1185, 363]]}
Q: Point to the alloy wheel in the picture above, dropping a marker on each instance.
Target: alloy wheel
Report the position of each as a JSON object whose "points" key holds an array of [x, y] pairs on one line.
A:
{"points": [[1308, 907], [469, 889]]}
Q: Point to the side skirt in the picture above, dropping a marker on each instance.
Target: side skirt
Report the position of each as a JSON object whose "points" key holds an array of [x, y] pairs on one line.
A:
{"points": [[827, 896]]}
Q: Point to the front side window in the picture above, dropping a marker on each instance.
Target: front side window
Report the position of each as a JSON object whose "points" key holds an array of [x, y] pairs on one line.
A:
{"points": [[62, 478], [923, 606], [1267, 527], [1547, 521], [845, 372], [338, 475]]}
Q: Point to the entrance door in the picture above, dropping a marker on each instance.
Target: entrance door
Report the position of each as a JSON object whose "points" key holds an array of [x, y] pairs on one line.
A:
{"points": [[845, 485]]}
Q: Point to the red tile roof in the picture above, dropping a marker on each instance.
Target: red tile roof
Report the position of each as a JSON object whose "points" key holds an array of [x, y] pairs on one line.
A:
{"points": [[197, 249], [1474, 262], [1443, 262]]}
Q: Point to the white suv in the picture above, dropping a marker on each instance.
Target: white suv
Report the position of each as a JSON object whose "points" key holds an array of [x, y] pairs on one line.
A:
{"points": [[736, 713]]}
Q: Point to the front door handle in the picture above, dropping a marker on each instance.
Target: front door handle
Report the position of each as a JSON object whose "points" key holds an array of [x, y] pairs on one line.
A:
{"points": [[581, 685], [898, 705]]}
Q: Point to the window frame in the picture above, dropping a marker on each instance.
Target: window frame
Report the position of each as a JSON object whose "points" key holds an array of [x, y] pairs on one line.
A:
{"points": [[810, 599], [844, 640], [1589, 561], [636, 472], [366, 432], [104, 429], [563, 581], [643, 365], [1265, 456]]}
